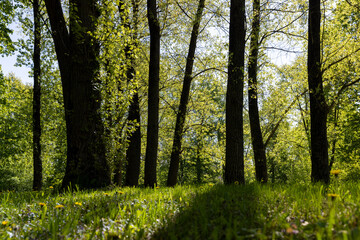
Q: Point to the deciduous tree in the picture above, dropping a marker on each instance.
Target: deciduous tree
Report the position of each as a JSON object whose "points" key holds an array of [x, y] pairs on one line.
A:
{"points": [[181, 114], [318, 106], [234, 159], [77, 52], [37, 161], [153, 96], [256, 134]]}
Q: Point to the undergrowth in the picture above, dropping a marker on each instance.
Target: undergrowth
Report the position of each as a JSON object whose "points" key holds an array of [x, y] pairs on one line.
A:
{"points": [[253, 211]]}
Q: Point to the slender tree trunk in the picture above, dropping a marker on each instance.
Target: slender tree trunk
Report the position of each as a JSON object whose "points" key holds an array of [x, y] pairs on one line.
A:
{"points": [[133, 152], [234, 157], [318, 106], [181, 114], [77, 54], [37, 181], [255, 128], [61, 39], [153, 96]]}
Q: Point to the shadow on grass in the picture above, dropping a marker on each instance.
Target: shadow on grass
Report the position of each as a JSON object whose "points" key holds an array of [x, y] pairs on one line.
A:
{"points": [[222, 212]]}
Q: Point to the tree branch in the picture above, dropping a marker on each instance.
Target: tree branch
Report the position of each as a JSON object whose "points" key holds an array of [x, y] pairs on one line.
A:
{"points": [[209, 69], [273, 131], [341, 90], [339, 60]]}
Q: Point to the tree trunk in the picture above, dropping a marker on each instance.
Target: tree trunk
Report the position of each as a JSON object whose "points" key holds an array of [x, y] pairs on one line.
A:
{"points": [[153, 96], [77, 54], [255, 128], [37, 181], [181, 114], [133, 152], [318, 106], [234, 157]]}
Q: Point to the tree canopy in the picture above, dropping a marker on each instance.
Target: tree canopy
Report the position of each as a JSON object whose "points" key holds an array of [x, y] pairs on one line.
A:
{"points": [[182, 92]]}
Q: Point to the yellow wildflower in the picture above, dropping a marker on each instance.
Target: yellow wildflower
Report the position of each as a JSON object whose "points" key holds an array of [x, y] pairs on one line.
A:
{"points": [[78, 203], [4, 223], [106, 194], [120, 192], [42, 204], [335, 172], [333, 196], [51, 187], [157, 187], [59, 206]]}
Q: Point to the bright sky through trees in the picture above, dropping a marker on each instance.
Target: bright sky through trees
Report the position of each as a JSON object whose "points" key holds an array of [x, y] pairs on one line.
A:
{"points": [[7, 63]]}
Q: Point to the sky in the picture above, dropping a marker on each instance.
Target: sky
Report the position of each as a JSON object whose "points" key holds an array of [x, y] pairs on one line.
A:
{"points": [[8, 63], [7, 66]]}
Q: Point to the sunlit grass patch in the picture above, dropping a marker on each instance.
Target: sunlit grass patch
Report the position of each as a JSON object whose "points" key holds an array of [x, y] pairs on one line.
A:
{"points": [[211, 211]]}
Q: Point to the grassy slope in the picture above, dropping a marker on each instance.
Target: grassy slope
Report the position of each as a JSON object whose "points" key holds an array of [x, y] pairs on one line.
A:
{"points": [[206, 212]]}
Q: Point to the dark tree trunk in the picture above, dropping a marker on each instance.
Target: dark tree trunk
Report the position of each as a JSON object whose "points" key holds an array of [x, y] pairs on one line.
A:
{"points": [[153, 95], [77, 54], [61, 39], [234, 158], [318, 106], [255, 128], [181, 114], [133, 152], [37, 181]]}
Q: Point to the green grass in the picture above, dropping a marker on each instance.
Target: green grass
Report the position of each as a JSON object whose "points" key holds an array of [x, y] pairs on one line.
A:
{"points": [[186, 212]]}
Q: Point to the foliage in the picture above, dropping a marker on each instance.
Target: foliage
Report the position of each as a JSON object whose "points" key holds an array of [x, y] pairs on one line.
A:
{"points": [[15, 133], [7, 12]]}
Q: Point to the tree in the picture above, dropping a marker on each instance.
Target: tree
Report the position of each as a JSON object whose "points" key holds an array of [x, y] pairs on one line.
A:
{"points": [[318, 106], [256, 134], [6, 17], [153, 96], [234, 157], [15, 134], [53, 131], [133, 151], [181, 114], [37, 181], [77, 53]]}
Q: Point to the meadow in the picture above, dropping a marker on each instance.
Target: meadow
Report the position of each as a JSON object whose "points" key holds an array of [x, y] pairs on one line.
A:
{"points": [[252, 211]]}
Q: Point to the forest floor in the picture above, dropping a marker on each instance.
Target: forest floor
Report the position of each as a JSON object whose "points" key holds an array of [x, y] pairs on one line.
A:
{"points": [[210, 211]]}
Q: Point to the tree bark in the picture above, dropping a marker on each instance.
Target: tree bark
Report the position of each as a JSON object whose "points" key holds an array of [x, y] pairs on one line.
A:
{"points": [[77, 54], [133, 151], [37, 180], [255, 128], [318, 107], [234, 156], [184, 99], [153, 96]]}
